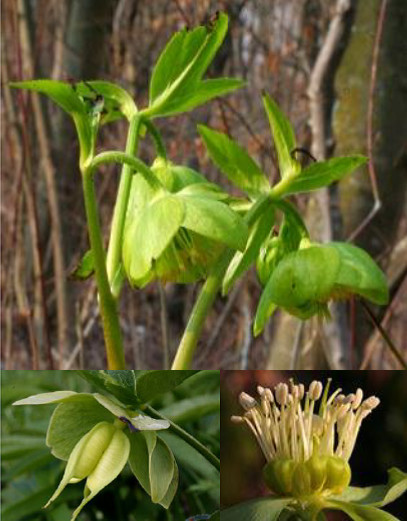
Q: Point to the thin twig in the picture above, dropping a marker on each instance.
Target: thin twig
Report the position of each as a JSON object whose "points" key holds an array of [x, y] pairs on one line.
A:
{"points": [[370, 348], [372, 173], [385, 336]]}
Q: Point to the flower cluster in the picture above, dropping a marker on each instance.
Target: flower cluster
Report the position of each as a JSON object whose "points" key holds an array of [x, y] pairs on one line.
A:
{"points": [[307, 451]]}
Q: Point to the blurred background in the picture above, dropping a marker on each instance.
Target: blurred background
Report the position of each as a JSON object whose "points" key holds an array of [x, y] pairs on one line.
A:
{"points": [[30, 474], [381, 443], [337, 68]]}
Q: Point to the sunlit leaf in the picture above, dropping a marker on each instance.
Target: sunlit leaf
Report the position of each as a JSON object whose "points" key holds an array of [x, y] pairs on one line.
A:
{"points": [[176, 84], [324, 173], [234, 162], [284, 138]]}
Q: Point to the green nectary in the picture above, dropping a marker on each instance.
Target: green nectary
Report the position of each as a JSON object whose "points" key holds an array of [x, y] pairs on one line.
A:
{"points": [[305, 280]]}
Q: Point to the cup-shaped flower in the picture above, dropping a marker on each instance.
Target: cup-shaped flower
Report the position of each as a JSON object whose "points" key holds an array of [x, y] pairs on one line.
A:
{"points": [[99, 445], [306, 280], [307, 453], [176, 231]]}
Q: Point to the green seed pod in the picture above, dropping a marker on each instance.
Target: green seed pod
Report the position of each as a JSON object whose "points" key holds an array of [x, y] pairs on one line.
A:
{"points": [[85, 456], [109, 466], [278, 476]]}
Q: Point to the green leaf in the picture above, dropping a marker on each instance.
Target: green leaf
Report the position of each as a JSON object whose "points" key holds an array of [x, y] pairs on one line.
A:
{"points": [[192, 409], [64, 95], [60, 92], [120, 384], [204, 92], [284, 138], [146, 237], [85, 268], [263, 509], [360, 512], [14, 445], [31, 461], [180, 67], [150, 384], [234, 162], [70, 422], [324, 173], [215, 516], [377, 495], [215, 220], [243, 260]]}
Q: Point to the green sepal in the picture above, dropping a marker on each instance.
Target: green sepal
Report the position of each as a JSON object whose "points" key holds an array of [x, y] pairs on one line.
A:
{"points": [[262, 509], [215, 220], [234, 162], [360, 274], [148, 234], [70, 422], [154, 465], [377, 495], [360, 512]]}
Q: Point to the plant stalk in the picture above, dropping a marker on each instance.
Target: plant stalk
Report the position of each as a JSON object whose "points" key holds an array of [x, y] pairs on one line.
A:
{"points": [[120, 209], [197, 445], [189, 341], [107, 304]]}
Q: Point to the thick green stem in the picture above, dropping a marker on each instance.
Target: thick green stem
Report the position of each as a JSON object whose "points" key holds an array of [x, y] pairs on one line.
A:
{"points": [[107, 304], [189, 341], [120, 209], [197, 445]]}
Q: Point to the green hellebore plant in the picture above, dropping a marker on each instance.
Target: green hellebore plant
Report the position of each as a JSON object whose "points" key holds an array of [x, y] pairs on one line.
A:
{"points": [[299, 281], [97, 436], [307, 454], [191, 221], [176, 226]]}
